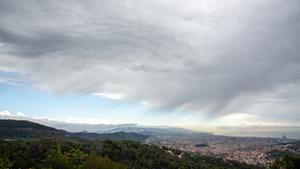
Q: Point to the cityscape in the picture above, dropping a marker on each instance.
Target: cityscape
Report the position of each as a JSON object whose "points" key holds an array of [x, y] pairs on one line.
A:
{"points": [[249, 150], [150, 84]]}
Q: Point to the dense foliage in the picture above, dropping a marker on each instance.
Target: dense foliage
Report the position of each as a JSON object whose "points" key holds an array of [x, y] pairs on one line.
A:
{"points": [[286, 162], [25, 129], [69, 154], [118, 136]]}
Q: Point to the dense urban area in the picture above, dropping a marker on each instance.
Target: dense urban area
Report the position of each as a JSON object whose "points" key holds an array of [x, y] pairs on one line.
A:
{"points": [[249, 150]]}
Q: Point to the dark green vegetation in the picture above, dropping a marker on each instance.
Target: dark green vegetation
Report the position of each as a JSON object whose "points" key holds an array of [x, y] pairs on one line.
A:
{"points": [[52, 154], [286, 162], [118, 136], [20, 129], [70, 154], [201, 145], [274, 154], [14, 129]]}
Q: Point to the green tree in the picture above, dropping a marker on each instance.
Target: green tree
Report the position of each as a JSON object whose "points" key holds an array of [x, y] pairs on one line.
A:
{"points": [[95, 162], [5, 163], [76, 157], [56, 160], [286, 162]]}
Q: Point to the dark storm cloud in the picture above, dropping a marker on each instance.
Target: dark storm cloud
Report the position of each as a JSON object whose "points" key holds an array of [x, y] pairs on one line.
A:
{"points": [[203, 56]]}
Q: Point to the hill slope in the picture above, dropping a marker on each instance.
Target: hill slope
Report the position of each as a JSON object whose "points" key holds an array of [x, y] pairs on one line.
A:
{"points": [[21, 129], [14, 129], [117, 136], [67, 154]]}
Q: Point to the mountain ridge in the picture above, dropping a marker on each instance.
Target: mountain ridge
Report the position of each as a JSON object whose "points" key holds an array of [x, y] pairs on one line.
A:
{"points": [[22, 129], [155, 131]]}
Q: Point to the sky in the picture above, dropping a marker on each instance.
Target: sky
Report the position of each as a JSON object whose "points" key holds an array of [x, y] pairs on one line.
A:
{"points": [[206, 65]]}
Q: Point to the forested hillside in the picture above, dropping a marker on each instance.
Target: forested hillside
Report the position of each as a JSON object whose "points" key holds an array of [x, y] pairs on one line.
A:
{"points": [[69, 154], [13, 129]]}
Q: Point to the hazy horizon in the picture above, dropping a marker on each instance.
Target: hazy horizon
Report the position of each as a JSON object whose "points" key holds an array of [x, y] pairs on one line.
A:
{"points": [[227, 67], [73, 125]]}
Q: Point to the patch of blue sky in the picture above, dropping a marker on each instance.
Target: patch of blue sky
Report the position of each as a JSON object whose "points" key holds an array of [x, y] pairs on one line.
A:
{"points": [[40, 104]]}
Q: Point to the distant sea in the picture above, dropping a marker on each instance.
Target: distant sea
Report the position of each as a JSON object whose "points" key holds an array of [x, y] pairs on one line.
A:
{"points": [[275, 134]]}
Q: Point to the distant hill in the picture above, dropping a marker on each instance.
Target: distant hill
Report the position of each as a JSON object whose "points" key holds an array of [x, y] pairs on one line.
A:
{"points": [[155, 131], [14, 129], [21, 129], [166, 132], [117, 136]]}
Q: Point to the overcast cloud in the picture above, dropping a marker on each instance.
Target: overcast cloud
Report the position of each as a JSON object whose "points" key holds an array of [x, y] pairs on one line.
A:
{"points": [[209, 56]]}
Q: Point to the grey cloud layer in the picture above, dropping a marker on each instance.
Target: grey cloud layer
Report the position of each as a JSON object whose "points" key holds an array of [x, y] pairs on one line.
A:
{"points": [[211, 56]]}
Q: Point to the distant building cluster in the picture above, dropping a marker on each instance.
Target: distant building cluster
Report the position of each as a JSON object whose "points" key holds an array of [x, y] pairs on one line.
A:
{"points": [[249, 150]]}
